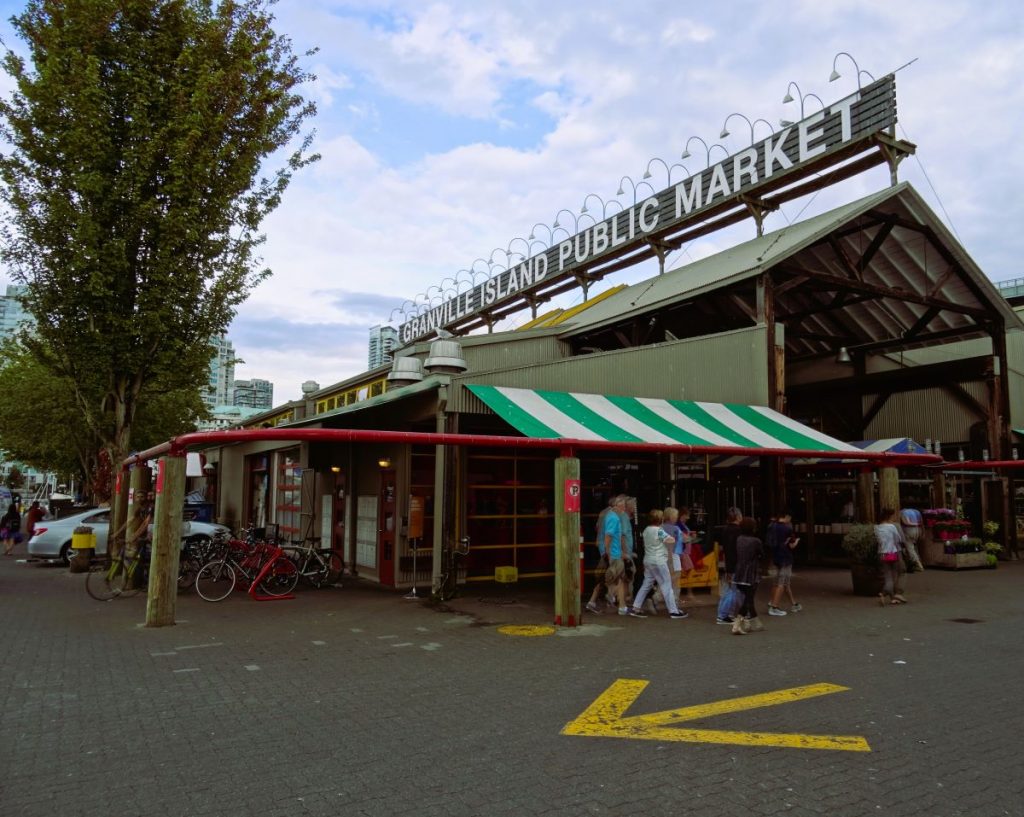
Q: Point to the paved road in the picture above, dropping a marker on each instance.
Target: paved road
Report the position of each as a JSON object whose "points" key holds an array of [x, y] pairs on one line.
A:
{"points": [[354, 701]]}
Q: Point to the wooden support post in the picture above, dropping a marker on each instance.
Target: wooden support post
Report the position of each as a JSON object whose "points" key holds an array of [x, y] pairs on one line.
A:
{"points": [[119, 513], [939, 497], [163, 564], [889, 488], [567, 543], [866, 496], [808, 536], [139, 487]]}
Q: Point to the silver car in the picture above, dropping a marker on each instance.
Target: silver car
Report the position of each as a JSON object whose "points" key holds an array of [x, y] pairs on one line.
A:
{"points": [[52, 537]]}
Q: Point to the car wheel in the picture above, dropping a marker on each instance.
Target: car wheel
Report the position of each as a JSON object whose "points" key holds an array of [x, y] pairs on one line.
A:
{"points": [[66, 555]]}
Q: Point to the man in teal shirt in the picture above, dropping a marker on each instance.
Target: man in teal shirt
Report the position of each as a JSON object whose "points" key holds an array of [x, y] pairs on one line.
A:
{"points": [[620, 568]]}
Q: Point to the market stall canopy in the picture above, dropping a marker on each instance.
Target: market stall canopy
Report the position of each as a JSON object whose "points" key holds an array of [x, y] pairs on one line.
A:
{"points": [[891, 445], [573, 415]]}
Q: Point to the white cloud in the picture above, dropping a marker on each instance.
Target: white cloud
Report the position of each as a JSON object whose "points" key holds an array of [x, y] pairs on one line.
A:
{"points": [[682, 31], [600, 91]]}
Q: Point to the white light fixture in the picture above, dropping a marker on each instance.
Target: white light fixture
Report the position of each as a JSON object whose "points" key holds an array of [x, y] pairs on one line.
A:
{"points": [[843, 356], [834, 75]]}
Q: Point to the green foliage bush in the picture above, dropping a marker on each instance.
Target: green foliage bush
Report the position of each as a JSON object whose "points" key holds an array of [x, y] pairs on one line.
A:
{"points": [[861, 544]]}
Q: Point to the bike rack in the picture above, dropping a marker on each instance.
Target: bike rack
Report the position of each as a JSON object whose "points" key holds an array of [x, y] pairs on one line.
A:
{"points": [[259, 577]]}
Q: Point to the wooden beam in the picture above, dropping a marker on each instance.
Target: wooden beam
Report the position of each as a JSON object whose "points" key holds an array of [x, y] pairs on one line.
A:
{"points": [[922, 322], [838, 283], [876, 242], [876, 407], [915, 378], [844, 259]]}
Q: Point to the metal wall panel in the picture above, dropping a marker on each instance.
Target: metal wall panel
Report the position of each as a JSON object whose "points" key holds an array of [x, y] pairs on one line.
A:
{"points": [[726, 368], [927, 414], [513, 351]]}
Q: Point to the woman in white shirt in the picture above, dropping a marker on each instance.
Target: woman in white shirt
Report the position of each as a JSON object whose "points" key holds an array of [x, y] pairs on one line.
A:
{"points": [[890, 543], [656, 543]]}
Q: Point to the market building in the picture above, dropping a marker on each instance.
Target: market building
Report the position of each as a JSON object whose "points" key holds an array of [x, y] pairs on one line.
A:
{"points": [[838, 328]]}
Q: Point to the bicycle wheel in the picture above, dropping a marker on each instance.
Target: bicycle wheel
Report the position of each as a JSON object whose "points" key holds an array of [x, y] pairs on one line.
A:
{"points": [[317, 570], [188, 569], [98, 583], [215, 581], [281, 578], [335, 568], [131, 578]]}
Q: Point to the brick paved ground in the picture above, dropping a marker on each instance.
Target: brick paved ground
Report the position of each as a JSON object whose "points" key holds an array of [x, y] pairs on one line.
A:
{"points": [[355, 701]]}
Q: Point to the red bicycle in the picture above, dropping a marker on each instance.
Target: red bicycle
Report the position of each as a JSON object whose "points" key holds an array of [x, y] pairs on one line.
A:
{"points": [[261, 566]]}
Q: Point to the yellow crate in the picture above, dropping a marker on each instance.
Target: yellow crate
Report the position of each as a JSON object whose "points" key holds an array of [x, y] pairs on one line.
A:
{"points": [[506, 575]]}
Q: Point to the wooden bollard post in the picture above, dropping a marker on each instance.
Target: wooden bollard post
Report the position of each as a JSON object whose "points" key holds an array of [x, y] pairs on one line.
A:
{"points": [[889, 488], [567, 541], [866, 496], [163, 564]]}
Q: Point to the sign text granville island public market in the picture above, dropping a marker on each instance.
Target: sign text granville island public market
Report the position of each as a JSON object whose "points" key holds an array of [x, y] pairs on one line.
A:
{"points": [[868, 111]]}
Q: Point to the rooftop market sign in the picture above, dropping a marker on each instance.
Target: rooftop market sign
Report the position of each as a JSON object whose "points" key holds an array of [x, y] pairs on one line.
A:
{"points": [[824, 135]]}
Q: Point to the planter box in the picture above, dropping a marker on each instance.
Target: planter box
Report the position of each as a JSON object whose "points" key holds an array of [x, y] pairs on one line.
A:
{"points": [[960, 561], [867, 580]]}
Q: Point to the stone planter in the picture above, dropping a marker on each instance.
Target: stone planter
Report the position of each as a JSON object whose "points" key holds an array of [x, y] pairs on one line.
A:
{"points": [[960, 561], [867, 579]]}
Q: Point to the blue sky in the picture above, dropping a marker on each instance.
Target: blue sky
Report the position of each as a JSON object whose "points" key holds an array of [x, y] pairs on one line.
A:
{"points": [[449, 128]]}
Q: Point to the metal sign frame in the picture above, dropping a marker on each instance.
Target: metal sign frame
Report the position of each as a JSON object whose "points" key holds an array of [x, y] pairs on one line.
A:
{"points": [[746, 184]]}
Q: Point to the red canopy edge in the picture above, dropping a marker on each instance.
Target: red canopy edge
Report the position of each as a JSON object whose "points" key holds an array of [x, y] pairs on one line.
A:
{"points": [[177, 446]]}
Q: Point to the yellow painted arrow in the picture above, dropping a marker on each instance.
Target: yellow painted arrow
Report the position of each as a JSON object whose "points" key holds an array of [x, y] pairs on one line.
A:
{"points": [[605, 718]]}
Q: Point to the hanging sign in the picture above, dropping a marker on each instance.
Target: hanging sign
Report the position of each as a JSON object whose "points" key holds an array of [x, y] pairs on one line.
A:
{"points": [[826, 137]]}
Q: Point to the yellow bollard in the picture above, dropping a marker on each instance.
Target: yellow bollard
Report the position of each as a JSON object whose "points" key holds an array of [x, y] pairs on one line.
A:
{"points": [[83, 543]]}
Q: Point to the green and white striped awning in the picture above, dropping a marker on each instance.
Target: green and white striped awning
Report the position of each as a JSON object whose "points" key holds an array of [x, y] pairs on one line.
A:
{"points": [[576, 416]]}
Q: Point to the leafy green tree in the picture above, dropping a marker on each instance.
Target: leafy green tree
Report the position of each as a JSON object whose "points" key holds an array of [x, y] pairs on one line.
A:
{"points": [[42, 426], [134, 187]]}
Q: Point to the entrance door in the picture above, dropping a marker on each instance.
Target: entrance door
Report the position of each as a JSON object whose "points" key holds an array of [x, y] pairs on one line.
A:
{"points": [[386, 528]]}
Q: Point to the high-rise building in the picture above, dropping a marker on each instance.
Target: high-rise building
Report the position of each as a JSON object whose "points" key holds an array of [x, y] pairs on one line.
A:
{"points": [[12, 315], [254, 394], [382, 340], [219, 390]]}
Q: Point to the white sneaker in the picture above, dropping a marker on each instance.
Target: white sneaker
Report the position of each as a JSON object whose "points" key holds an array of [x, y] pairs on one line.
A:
{"points": [[775, 611], [796, 608]]}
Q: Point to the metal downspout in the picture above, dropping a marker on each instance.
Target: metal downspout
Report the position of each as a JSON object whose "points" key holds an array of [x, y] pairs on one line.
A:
{"points": [[439, 483]]}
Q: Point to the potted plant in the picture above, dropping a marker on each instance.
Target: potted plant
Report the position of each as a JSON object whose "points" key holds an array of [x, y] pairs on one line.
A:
{"points": [[865, 568]]}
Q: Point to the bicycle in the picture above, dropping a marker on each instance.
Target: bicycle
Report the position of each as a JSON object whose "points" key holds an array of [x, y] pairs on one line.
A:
{"points": [[320, 567], [448, 580], [216, 580], [117, 577]]}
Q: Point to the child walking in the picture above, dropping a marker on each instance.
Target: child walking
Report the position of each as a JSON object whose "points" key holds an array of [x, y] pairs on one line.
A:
{"points": [[781, 541], [656, 543]]}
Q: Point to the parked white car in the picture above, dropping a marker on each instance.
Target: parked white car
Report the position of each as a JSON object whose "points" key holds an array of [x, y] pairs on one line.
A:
{"points": [[52, 538]]}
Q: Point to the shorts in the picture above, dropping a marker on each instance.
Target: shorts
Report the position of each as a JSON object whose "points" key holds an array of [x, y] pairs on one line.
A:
{"points": [[784, 576], [619, 569]]}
